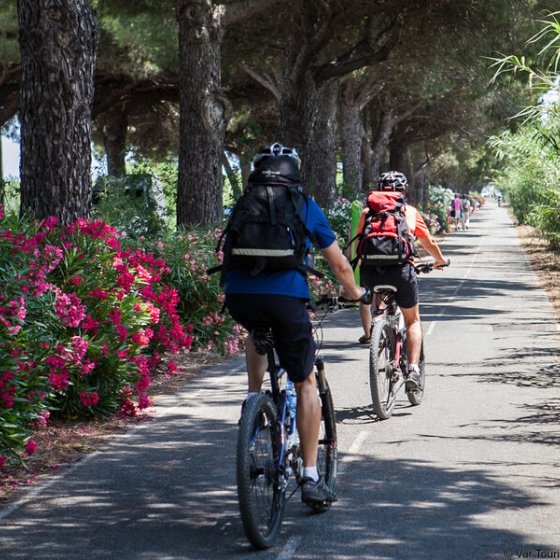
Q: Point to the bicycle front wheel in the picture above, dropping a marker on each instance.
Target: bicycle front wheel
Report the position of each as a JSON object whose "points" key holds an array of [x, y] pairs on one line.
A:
{"points": [[260, 489], [381, 356], [327, 456]]}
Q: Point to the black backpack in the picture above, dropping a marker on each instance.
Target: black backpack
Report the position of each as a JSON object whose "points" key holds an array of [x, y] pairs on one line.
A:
{"points": [[266, 231]]}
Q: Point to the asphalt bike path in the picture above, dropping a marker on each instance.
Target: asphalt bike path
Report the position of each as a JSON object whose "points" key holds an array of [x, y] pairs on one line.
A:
{"points": [[471, 473]]}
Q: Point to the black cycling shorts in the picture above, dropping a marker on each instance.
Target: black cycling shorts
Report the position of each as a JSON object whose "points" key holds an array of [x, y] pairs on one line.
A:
{"points": [[403, 277], [289, 320]]}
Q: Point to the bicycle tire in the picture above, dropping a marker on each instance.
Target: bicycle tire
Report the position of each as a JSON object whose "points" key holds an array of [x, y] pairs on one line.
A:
{"points": [[261, 495], [416, 397], [381, 355], [327, 457]]}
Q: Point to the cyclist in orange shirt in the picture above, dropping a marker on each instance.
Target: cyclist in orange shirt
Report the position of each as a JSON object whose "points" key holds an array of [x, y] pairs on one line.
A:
{"points": [[403, 277]]}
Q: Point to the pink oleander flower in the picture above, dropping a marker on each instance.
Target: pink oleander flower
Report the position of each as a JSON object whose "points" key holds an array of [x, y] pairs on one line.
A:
{"points": [[30, 447], [56, 362], [52, 255], [115, 316], [89, 399], [141, 338], [75, 280], [89, 323], [144, 401], [232, 346], [99, 294], [125, 279], [143, 383], [87, 367], [43, 419], [121, 331], [70, 309], [59, 379], [49, 223], [79, 348], [143, 273], [112, 242]]}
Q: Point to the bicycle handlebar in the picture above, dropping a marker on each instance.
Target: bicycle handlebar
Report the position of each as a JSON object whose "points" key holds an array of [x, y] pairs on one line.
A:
{"points": [[336, 301], [424, 268]]}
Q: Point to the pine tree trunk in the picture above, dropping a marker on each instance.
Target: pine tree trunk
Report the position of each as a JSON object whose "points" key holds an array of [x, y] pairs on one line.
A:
{"points": [[319, 165], [400, 160], [204, 113], [351, 134], [58, 47], [382, 126], [114, 129]]}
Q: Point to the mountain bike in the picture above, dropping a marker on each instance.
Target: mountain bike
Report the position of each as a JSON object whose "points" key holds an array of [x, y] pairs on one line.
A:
{"points": [[388, 358], [269, 458]]}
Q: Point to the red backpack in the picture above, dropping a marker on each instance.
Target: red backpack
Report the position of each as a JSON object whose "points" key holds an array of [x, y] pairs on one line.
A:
{"points": [[385, 239]]}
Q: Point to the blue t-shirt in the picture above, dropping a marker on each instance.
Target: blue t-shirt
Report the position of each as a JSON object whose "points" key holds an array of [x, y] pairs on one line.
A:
{"points": [[287, 282]]}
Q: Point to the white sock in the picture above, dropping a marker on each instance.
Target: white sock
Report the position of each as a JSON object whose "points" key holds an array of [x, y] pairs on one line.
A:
{"points": [[311, 472], [249, 395], [413, 367]]}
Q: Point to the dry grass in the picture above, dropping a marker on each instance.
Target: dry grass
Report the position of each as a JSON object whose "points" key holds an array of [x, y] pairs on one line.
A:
{"points": [[63, 443]]}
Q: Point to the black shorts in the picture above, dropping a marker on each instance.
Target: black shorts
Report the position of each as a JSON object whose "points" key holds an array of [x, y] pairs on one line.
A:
{"points": [[289, 320], [402, 277]]}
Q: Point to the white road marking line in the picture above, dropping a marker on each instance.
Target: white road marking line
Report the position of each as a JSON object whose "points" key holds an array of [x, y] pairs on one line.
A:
{"points": [[352, 450]]}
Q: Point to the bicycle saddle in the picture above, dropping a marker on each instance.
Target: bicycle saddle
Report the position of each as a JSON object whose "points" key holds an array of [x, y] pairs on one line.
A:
{"points": [[384, 288]]}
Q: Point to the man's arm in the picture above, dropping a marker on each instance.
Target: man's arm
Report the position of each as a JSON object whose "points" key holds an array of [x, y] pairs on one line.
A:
{"points": [[341, 268]]}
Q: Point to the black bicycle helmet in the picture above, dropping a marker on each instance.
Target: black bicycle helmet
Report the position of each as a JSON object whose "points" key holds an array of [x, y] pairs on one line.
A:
{"points": [[276, 164], [392, 181]]}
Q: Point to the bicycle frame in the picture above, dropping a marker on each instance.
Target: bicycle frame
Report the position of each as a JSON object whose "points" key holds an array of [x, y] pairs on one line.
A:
{"points": [[280, 400], [392, 314]]}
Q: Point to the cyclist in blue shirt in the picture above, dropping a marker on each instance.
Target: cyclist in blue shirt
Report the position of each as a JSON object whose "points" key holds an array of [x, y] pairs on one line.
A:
{"points": [[278, 300]]}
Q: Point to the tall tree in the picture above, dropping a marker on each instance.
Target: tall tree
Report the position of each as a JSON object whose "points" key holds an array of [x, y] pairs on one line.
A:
{"points": [[205, 110], [58, 44], [9, 61], [323, 43]]}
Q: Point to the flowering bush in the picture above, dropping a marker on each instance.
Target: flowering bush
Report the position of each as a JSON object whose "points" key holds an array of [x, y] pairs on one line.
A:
{"points": [[188, 256], [432, 221], [84, 322], [439, 205]]}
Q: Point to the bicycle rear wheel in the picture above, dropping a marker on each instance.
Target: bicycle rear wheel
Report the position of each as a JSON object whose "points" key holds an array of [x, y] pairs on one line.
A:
{"points": [[381, 356], [417, 396], [327, 456], [260, 490]]}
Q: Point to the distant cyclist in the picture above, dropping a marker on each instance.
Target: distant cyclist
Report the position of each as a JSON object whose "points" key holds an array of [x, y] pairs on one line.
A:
{"points": [[260, 299], [403, 277]]}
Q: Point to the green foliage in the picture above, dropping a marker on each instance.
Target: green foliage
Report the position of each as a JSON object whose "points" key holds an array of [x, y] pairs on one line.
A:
{"points": [[527, 169], [132, 204], [9, 47], [546, 217], [140, 38], [339, 215]]}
